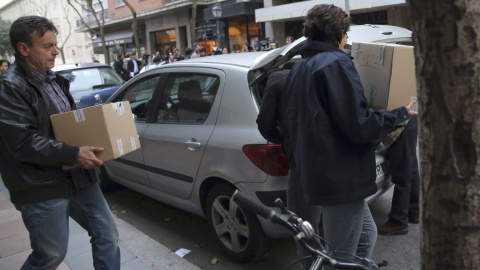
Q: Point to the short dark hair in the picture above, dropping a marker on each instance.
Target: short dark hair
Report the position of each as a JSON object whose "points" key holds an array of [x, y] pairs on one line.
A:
{"points": [[202, 49], [326, 23], [25, 28], [4, 61], [188, 51]]}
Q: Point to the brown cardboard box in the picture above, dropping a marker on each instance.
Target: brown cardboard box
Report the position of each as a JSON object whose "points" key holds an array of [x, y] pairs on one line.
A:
{"points": [[109, 125], [387, 72]]}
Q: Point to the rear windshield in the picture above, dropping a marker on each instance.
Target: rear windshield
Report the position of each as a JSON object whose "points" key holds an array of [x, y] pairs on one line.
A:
{"points": [[91, 78]]}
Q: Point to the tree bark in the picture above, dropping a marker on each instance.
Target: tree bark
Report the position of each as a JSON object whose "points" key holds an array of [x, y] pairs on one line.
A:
{"points": [[447, 40], [100, 25], [193, 20], [134, 27]]}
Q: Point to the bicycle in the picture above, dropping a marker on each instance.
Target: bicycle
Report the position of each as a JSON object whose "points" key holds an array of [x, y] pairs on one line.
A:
{"points": [[302, 231]]}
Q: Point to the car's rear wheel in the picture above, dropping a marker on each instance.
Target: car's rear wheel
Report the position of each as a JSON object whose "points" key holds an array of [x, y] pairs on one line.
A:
{"points": [[236, 230]]}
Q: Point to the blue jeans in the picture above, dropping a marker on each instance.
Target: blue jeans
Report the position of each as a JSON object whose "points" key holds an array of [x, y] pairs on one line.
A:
{"points": [[349, 229], [47, 224], [308, 212]]}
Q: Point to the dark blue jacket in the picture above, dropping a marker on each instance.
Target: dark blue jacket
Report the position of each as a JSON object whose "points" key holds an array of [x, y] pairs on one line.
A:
{"points": [[330, 128]]}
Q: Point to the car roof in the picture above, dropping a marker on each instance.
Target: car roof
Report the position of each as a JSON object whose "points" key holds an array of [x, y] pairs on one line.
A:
{"points": [[243, 59], [77, 66]]}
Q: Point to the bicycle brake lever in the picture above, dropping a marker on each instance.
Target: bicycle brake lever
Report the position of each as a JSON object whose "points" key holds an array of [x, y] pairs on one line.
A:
{"points": [[279, 204], [383, 263]]}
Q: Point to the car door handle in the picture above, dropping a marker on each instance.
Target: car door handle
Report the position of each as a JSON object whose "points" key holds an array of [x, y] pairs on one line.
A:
{"points": [[192, 144]]}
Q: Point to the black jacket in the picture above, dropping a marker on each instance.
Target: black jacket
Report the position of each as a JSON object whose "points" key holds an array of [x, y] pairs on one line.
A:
{"points": [[118, 66], [31, 159], [131, 67], [269, 120], [331, 128]]}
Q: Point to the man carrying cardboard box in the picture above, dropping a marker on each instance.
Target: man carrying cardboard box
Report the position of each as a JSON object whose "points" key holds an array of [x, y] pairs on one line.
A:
{"points": [[31, 159]]}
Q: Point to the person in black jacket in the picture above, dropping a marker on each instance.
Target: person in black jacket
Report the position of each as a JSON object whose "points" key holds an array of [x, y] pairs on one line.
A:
{"points": [[119, 68], [134, 65], [31, 159], [270, 125], [402, 156], [331, 132]]}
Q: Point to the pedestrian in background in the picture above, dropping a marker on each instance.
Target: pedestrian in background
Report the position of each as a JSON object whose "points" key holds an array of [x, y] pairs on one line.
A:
{"points": [[202, 51], [196, 48], [331, 133], [118, 66], [126, 59], [4, 64], [134, 65], [157, 58], [289, 39], [31, 159], [94, 59], [273, 45], [402, 157], [188, 53], [178, 55], [255, 46]]}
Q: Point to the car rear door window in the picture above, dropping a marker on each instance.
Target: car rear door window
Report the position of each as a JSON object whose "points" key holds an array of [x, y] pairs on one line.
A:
{"points": [[91, 78], [187, 98]]}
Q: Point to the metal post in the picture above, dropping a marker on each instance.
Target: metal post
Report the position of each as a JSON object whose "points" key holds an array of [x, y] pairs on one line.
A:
{"points": [[218, 34], [347, 7]]}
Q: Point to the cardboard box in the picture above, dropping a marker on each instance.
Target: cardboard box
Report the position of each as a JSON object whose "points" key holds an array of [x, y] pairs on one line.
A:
{"points": [[109, 125], [387, 72]]}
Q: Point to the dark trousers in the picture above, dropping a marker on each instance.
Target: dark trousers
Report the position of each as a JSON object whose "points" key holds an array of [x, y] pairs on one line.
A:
{"points": [[402, 155]]}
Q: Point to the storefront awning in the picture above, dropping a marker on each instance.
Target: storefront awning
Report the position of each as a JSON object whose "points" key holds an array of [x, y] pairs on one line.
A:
{"points": [[298, 10], [113, 38]]}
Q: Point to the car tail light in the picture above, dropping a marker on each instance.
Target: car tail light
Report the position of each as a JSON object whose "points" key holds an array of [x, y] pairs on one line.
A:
{"points": [[268, 158]]}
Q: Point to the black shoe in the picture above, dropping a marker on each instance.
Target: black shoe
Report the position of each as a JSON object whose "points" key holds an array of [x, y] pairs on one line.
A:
{"points": [[392, 228], [415, 219]]}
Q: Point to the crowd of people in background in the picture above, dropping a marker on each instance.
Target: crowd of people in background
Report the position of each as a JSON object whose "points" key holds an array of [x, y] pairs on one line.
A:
{"points": [[128, 65]]}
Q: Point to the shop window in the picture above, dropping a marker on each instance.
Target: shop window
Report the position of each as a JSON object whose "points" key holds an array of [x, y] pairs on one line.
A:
{"points": [[240, 30]]}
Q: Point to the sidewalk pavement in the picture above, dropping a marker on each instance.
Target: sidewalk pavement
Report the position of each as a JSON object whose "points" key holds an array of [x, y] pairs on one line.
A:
{"points": [[138, 251]]}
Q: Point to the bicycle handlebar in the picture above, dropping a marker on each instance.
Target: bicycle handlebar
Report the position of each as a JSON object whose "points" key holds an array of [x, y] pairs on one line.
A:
{"points": [[298, 228], [256, 207]]}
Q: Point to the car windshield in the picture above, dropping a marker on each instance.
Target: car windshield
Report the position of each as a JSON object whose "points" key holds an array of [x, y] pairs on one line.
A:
{"points": [[91, 78]]}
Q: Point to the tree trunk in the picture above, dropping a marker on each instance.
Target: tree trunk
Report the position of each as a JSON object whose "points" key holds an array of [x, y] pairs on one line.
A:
{"points": [[100, 25], [447, 39], [193, 19], [134, 28]]}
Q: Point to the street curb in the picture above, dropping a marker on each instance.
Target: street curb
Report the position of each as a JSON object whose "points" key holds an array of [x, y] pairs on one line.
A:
{"points": [[152, 253]]}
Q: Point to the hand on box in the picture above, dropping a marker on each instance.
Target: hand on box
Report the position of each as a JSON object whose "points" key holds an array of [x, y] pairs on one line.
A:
{"points": [[409, 108], [86, 157]]}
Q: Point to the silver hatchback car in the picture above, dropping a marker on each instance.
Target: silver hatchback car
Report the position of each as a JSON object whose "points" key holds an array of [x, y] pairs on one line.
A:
{"points": [[200, 142]]}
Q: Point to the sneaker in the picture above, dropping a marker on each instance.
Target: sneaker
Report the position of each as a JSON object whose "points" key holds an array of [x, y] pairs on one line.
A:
{"points": [[392, 228], [415, 219]]}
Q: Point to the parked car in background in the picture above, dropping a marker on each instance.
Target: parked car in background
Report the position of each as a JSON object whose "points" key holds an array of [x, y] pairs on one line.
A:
{"points": [[196, 121], [90, 83]]}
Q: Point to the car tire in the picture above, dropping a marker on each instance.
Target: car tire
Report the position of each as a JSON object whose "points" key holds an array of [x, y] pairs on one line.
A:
{"points": [[106, 185], [237, 231]]}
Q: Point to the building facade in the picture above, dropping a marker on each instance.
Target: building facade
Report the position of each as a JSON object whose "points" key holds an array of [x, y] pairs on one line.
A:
{"points": [[284, 18], [163, 25], [75, 45]]}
